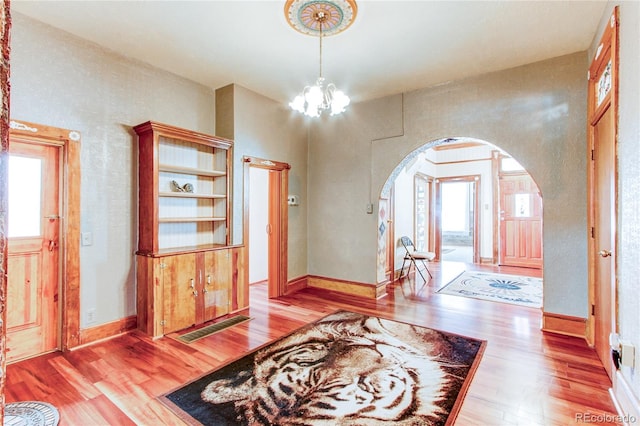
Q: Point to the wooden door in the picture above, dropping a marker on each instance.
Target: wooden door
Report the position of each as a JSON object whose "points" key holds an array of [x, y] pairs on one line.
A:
{"points": [[33, 250], [604, 156], [180, 292], [603, 190], [520, 222], [277, 282]]}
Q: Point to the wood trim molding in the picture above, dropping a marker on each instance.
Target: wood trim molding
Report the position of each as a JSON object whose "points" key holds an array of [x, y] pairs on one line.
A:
{"points": [[369, 291], [443, 163], [108, 330], [69, 141], [458, 145], [296, 284], [278, 213], [564, 324], [495, 183], [266, 164]]}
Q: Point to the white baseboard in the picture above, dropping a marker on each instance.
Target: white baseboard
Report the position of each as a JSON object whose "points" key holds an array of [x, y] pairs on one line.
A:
{"points": [[625, 400]]}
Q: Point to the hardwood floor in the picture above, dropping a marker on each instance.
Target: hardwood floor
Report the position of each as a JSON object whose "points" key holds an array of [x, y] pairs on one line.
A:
{"points": [[526, 377]]}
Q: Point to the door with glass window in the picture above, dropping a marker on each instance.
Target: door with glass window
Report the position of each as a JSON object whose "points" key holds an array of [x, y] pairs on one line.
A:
{"points": [[520, 222], [33, 255]]}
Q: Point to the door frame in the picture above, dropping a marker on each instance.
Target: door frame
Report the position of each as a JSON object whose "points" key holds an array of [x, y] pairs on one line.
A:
{"points": [[475, 179], [69, 143], [429, 208], [278, 218], [607, 50], [390, 241]]}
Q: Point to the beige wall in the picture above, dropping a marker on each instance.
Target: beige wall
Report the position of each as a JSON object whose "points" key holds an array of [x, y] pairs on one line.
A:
{"points": [[264, 128], [62, 81], [537, 113], [628, 180]]}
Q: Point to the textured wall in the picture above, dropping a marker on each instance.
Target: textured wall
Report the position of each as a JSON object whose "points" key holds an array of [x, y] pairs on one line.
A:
{"points": [[267, 129], [63, 81], [537, 113], [629, 184]]}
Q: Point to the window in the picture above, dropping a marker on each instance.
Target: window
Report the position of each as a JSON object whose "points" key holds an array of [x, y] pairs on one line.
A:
{"points": [[25, 187]]}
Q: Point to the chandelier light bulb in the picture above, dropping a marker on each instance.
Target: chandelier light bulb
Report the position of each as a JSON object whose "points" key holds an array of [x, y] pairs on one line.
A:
{"points": [[297, 104], [314, 96], [340, 101]]}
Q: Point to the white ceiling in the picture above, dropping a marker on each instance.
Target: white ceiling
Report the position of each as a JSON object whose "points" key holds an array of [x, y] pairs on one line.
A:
{"points": [[392, 46]]}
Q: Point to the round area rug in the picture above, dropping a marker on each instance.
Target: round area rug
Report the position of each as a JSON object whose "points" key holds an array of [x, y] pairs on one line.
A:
{"points": [[30, 413]]}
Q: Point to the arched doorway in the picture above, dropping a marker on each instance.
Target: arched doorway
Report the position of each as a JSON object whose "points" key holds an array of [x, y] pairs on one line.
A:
{"points": [[491, 234]]}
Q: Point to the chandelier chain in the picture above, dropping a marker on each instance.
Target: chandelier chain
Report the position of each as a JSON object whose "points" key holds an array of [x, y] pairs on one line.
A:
{"points": [[320, 49]]}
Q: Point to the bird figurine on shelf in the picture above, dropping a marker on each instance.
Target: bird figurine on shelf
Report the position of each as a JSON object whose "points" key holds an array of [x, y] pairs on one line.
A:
{"points": [[187, 187]]}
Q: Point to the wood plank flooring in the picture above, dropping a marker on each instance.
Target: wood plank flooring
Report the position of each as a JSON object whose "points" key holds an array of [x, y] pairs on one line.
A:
{"points": [[526, 377]]}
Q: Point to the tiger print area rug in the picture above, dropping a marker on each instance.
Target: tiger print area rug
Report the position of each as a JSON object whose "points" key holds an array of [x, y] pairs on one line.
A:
{"points": [[344, 369]]}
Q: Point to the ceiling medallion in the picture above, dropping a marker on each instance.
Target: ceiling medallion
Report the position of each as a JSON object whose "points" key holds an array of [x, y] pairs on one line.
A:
{"points": [[307, 16]]}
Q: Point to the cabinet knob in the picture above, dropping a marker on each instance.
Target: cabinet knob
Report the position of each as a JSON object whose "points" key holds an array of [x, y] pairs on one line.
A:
{"points": [[193, 283], [195, 293]]}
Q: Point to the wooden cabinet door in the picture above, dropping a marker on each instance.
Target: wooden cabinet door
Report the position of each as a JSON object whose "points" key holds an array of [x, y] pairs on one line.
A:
{"points": [[216, 282], [179, 291], [239, 279]]}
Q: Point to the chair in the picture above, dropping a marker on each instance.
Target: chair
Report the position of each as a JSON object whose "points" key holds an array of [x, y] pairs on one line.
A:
{"points": [[412, 255]]}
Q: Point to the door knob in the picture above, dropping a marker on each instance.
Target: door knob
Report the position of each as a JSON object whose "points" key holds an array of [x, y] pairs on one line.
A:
{"points": [[604, 253]]}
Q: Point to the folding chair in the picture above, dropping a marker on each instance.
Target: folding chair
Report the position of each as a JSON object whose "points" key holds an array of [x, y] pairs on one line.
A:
{"points": [[412, 255]]}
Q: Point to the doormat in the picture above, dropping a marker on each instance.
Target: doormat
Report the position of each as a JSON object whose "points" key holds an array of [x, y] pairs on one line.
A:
{"points": [[514, 289], [346, 368], [30, 413], [208, 330]]}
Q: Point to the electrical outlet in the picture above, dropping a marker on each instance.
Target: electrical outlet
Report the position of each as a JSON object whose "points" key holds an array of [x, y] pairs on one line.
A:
{"points": [[91, 316], [627, 353]]}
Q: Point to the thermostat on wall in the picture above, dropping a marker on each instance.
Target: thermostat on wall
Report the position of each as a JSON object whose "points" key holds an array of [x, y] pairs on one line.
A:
{"points": [[292, 200]]}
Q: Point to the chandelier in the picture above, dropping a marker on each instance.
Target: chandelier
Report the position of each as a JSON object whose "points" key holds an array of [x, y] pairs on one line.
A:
{"points": [[320, 18]]}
